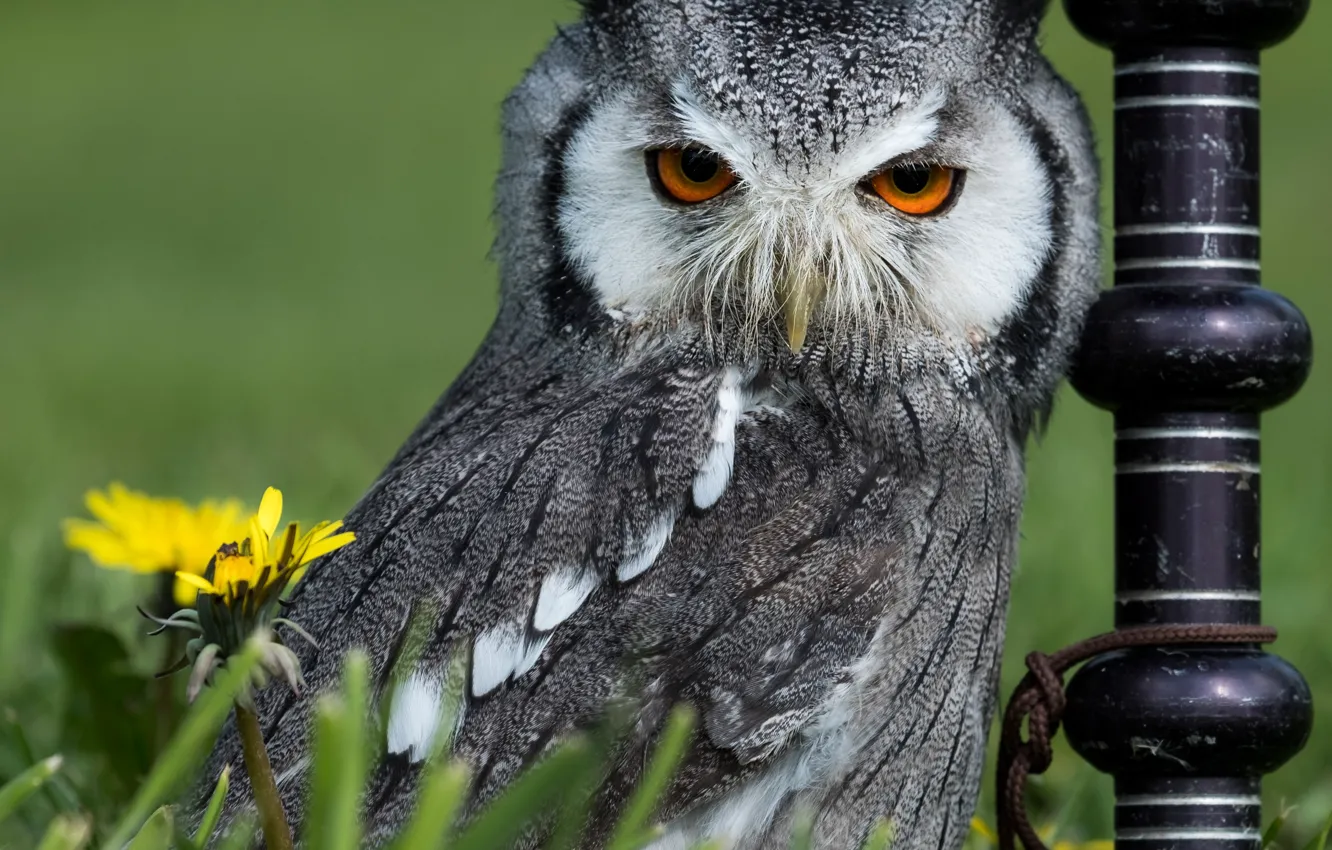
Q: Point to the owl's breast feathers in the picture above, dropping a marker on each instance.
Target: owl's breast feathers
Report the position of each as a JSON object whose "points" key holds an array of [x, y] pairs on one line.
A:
{"points": [[822, 575]]}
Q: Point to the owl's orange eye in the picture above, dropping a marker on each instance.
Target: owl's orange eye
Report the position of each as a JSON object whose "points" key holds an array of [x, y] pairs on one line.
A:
{"points": [[690, 175], [916, 189]]}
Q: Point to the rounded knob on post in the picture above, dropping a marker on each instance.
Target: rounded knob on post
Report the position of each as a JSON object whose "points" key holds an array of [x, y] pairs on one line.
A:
{"points": [[1141, 23], [1161, 712], [1228, 348]]}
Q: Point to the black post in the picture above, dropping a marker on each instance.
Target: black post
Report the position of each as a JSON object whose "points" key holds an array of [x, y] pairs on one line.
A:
{"points": [[1187, 350]]}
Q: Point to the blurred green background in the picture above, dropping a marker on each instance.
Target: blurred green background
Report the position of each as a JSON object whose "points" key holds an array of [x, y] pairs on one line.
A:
{"points": [[246, 243]]}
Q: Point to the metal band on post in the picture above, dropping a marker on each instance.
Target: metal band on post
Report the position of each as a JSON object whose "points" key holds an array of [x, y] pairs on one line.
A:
{"points": [[1187, 351]]}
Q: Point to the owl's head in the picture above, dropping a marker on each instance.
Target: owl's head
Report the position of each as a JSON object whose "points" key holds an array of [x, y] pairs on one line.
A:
{"points": [[803, 170]]}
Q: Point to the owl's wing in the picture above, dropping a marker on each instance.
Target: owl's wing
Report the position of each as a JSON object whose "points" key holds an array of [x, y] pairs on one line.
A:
{"points": [[762, 639], [551, 523]]}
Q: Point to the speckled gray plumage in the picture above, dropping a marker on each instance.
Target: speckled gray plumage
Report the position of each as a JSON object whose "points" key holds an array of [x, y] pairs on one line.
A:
{"points": [[842, 604]]}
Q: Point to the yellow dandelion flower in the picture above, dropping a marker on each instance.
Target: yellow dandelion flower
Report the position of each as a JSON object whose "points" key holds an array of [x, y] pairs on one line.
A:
{"points": [[137, 532], [241, 591], [262, 561]]}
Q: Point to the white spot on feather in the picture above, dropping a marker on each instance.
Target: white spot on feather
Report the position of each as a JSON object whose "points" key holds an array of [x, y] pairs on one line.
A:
{"points": [[414, 718], [562, 593], [508, 650], [648, 549], [715, 471], [496, 653], [532, 652]]}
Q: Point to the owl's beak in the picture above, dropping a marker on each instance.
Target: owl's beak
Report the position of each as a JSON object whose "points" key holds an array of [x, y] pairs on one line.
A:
{"points": [[801, 296]]}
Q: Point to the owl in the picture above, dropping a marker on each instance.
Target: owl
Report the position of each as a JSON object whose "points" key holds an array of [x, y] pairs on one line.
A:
{"points": [[785, 287]]}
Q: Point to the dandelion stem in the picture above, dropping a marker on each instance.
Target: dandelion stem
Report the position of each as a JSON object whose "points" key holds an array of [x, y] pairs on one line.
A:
{"points": [[277, 835]]}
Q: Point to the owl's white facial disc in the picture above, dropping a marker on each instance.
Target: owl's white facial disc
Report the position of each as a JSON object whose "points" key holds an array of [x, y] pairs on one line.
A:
{"points": [[808, 218]]}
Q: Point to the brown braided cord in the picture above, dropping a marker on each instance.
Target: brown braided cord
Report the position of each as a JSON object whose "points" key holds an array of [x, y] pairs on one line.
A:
{"points": [[1039, 698]]}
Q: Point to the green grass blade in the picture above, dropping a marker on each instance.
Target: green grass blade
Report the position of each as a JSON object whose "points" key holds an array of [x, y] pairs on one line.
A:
{"points": [[214, 810], [330, 715], [451, 706], [579, 796], [1319, 841], [632, 831], [240, 836], [528, 798], [26, 784], [802, 834], [882, 836], [189, 745], [67, 832], [59, 791], [1274, 829], [181, 840], [156, 833], [341, 761], [442, 795], [355, 754], [578, 800]]}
